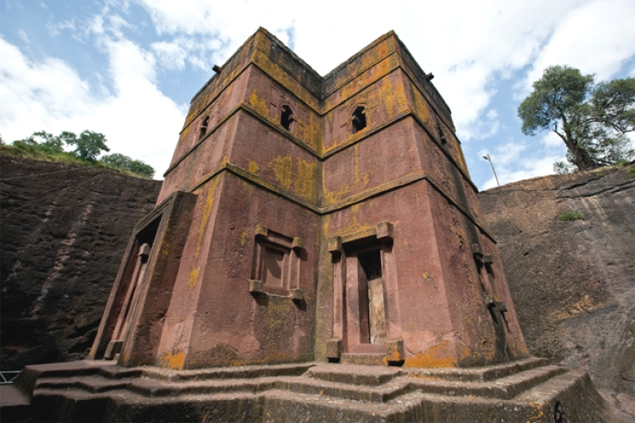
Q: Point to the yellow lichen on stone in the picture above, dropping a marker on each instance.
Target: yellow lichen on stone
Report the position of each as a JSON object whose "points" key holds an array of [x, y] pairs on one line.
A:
{"points": [[281, 166], [253, 167], [356, 164], [332, 197], [305, 180], [193, 277], [259, 104], [386, 94], [174, 361], [207, 211], [244, 236], [436, 356], [428, 276], [277, 313]]}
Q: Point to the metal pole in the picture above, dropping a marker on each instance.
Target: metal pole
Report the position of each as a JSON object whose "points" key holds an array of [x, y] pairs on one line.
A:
{"points": [[489, 159]]}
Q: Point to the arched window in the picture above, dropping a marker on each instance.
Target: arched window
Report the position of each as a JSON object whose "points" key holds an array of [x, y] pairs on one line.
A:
{"points": [[359, 119], [286, 117], [203, 130]]}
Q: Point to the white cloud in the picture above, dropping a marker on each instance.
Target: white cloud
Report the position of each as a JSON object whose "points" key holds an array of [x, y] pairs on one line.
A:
{"points": [[170, 54], [137, 118], [36, 94], [514, 161], [597, 37], [23, 36], [551, 140], [57, 27]]}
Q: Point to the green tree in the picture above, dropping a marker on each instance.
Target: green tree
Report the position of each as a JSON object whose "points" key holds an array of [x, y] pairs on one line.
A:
{"points": [[88, 145], [124, 162], [591, 120]]}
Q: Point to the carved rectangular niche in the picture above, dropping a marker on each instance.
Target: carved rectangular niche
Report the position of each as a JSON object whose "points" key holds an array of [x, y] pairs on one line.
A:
{"points": [[276, 265]]}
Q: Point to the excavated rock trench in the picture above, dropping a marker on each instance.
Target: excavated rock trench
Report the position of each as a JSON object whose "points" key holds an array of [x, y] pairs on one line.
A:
{"points": [[64, 230], [573, 281]]}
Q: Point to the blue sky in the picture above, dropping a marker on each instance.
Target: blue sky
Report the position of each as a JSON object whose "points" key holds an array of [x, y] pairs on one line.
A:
{"points": [[128, 68]]}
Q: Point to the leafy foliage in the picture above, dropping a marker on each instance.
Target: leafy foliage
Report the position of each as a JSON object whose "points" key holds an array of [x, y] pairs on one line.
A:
{"points": [[568, 216], [45, 146], [88, 145], [591, 120], [124, 162]]}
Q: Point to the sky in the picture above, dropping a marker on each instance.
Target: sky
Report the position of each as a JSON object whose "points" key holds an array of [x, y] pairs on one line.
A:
{"points": [[129, 68]]}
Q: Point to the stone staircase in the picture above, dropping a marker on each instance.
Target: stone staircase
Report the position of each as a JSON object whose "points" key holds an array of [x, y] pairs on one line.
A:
{"points": [[527, 390]]}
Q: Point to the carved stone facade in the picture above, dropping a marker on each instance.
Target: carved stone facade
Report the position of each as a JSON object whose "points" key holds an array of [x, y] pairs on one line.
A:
{"points": [[314, 218]]}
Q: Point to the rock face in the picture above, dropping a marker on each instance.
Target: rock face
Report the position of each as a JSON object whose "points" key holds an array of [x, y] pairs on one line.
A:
{"points": [[573, 281], [64, 231]]}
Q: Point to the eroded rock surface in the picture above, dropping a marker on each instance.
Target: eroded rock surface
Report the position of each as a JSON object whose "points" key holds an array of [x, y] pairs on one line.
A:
{"points": [[573, 281], [64, 230]]}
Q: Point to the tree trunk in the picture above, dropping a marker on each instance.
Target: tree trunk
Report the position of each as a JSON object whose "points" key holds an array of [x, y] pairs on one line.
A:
{"points": [[582, 159]]}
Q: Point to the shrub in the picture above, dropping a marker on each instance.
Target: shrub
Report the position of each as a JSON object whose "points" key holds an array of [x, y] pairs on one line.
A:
{"points": [[567, 216]]}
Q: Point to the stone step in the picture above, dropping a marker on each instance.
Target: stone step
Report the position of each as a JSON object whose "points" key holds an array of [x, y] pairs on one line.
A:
{"points": [[527, 394], [286, 406], [238, 372], [477, 374], [571, 396], [92, 383], [15, 404], [363, 359], [503, 388], [354, 374], [347, 391], [330, 380], [154, 388]]}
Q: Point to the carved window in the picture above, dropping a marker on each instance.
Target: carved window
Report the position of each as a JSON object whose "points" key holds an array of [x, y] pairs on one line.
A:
{"points": [[203, 130], [441, 134], [286, 117], [359, 119]]}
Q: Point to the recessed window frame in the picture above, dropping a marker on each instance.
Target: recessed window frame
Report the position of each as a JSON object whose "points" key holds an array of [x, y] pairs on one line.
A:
{"points": [[202, 131], [359, 118], [291, 248], [287, 117]]}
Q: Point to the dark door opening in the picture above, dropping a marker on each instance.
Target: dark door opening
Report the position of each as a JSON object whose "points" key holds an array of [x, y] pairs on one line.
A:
{"points": [[371, 295]]}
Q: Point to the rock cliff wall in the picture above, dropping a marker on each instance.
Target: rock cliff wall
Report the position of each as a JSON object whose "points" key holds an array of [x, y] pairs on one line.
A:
{"points": [[573, 281], [63, 231]]}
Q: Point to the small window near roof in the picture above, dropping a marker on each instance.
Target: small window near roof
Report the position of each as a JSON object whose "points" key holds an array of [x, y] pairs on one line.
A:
{"points": [[286, 117], [203, 130], [359, 119]]}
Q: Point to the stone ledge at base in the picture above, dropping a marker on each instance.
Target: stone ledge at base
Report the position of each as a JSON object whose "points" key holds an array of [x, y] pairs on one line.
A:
{"points": [[521, 391]]}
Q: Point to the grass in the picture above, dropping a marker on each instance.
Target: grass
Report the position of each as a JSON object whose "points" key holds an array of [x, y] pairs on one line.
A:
{"points": [[35, 153], [568, 216]]}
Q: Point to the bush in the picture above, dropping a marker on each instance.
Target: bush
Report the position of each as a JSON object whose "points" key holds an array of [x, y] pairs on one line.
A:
{"points": [[121, 161], [45, 146], [567, 216]]}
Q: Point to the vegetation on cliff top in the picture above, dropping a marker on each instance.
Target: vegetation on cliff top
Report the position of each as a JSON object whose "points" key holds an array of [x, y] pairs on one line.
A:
{"points": [[88, 145]]}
